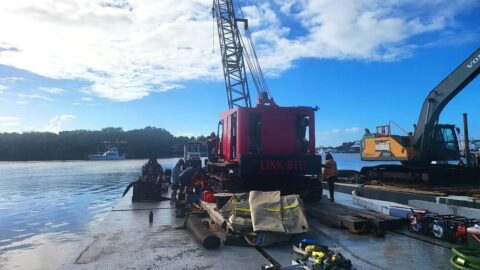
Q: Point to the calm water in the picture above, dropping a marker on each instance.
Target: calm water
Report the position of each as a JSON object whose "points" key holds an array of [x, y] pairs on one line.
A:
{"points": [[63, 198], [59, 197]]}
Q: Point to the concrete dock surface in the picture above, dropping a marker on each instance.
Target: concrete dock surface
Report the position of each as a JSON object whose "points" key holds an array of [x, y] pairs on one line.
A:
{"points": [[126, 240]]}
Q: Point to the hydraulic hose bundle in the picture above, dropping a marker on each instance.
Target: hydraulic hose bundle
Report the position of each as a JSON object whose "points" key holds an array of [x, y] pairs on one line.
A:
{"points": [[465, 258]]}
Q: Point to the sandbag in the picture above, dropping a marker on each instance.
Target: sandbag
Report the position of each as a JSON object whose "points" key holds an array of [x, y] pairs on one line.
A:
{"points": [[266, 211], [229, 207], [201, 233], [240, 219], [293, 216]]}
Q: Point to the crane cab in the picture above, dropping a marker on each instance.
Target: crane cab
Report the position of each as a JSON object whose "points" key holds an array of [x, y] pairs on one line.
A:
{"points": [[268, 140]]}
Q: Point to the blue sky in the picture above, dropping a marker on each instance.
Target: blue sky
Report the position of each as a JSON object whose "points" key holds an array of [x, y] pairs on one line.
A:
{"points": [[66, 65]]}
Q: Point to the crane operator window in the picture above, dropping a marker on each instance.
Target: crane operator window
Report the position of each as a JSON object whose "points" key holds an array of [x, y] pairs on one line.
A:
{"points": [[254, 133]]}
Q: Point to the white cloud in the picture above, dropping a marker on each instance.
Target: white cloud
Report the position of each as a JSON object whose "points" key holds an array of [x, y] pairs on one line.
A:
{"points": [[34, 96], [352, 129], [336, 130], [56, 122], [128, 49], [10, 79], [21, 102], [9, 123], [13, 124], [51, 90], [7, 80], [378, 30], [86, 102]]}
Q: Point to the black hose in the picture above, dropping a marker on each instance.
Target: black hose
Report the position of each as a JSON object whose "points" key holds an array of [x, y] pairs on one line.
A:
{"points": [[128, 188]]}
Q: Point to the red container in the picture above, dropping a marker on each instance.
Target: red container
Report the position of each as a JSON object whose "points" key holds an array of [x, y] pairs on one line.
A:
{"points": [[207, 196]]}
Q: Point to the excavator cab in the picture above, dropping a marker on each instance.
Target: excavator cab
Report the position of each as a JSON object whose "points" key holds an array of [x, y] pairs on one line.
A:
{"points": [[442, 145]]}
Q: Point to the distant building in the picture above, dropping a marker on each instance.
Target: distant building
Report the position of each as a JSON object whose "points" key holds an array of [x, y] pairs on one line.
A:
{"points": [[346, 147], [356, 146]]}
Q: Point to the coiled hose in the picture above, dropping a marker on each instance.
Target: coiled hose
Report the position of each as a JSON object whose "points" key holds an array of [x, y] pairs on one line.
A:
{"points": [[465, 258]]}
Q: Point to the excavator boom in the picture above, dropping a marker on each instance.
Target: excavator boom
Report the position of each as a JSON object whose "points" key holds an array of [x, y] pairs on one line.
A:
{"points": [[439, 97]]}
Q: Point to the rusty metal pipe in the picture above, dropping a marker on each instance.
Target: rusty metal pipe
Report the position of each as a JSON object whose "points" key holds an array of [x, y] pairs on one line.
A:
{"points": [[201, 233]]}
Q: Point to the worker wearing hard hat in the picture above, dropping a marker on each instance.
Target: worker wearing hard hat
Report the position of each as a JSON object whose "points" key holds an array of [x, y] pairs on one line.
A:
{"points": [[330, 174]]}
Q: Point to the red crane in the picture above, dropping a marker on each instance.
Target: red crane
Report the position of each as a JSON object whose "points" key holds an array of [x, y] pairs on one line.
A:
{"points": [[266, 147]]}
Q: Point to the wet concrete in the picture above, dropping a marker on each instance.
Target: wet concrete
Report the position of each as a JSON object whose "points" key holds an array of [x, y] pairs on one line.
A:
{"points": [[126, 240], [395, 250]]}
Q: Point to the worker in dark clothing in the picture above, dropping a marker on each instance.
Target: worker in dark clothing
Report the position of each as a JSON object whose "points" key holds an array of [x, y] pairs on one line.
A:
{"points": [[330, 174], [176, 171], [149, 186], [152, 170], [187, 178], [212, 146], [205, 164], [302, 126]]}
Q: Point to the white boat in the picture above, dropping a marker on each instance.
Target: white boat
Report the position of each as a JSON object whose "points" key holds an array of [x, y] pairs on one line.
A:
{"points": [[111, 154]]}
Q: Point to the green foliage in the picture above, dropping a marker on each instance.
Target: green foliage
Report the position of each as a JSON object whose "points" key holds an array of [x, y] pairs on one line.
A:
{"points": [[78, 144]]}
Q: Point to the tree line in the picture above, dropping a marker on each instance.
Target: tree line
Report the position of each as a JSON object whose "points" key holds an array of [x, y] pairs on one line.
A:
{"points": [[78, 144]]}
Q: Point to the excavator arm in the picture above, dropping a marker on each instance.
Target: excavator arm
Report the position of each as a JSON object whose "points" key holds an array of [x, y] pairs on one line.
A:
{"points": [[427, 131]]}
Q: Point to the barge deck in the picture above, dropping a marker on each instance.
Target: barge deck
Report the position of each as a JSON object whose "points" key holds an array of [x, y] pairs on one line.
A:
{"points": [[126, 240]]}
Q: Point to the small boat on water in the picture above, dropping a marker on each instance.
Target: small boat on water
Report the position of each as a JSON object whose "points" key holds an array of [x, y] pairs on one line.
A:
{"points": [[111, 154]]}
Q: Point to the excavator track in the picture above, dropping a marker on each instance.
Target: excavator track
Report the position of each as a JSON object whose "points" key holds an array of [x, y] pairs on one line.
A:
{"points": [[435, 175]]}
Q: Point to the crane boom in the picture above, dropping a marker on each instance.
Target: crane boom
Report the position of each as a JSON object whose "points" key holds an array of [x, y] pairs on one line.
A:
{"points": [[231, 48], [235, 54], [440, 96]]}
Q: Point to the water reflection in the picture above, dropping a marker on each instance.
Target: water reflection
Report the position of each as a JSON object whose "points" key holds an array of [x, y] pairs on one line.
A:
{"points": [[59, 197]]}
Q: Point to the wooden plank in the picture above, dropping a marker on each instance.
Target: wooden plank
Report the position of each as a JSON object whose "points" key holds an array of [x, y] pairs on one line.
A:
{"points": [[354, 219], [373, 215], [338, 219], [359, 211], [379, 223]]}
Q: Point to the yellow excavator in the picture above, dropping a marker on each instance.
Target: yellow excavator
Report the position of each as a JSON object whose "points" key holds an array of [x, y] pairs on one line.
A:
{"points": [[427, 153]]}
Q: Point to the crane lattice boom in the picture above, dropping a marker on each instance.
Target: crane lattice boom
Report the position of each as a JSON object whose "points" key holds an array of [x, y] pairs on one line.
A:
{"points": [[235, 54], [231, 48]]}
